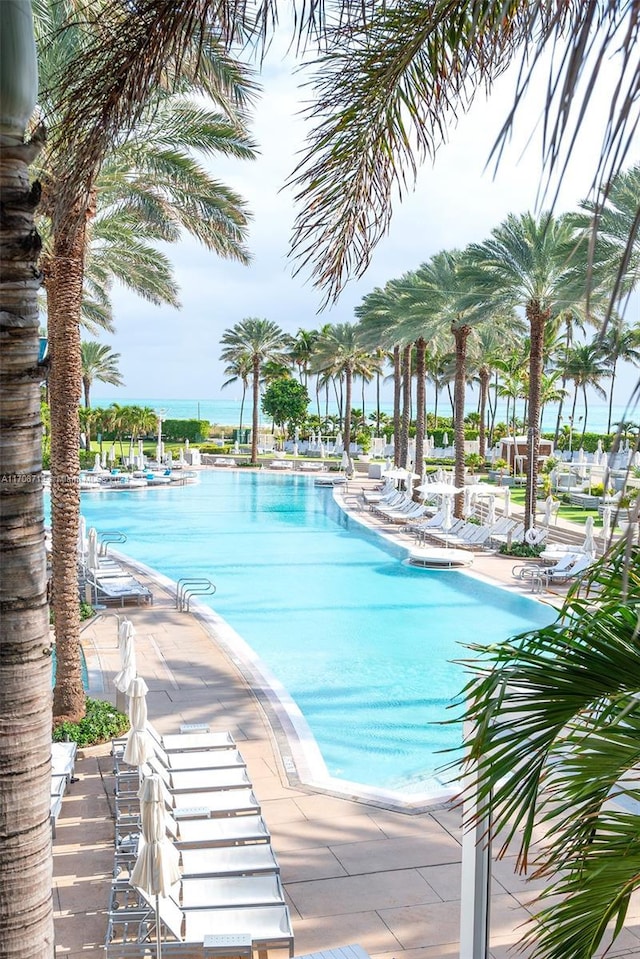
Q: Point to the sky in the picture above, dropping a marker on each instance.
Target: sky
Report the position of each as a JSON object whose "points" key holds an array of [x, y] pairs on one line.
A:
{"points": [[169, 353]]}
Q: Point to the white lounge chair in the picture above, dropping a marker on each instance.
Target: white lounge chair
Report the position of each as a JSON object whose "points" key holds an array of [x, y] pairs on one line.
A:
{"points": [[184, 741], [248, 859], [198, 805], [198, 833], [200, 780], [266, 927], [118, 589], [581, 564], [226, 758]]}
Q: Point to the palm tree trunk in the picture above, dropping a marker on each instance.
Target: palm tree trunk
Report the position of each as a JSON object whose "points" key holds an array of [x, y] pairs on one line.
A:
{"points": [[64, 298], [347, 413], [537, 321], [26, 915], [460, 335], [421, 352], [244, 393], [406, 405], [86, 388], [256, 400], [397, 393], [377, 404], [613, 383], [482, 424]]}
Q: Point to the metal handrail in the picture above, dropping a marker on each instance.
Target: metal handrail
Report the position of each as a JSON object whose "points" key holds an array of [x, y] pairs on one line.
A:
{"points": [[188, 587], [109, 537]]}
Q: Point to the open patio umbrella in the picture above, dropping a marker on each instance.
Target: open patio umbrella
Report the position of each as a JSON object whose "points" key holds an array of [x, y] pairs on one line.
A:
{"points": [[589, 545], [157, 866], [438, 488], [139, 747], [127, 674]]}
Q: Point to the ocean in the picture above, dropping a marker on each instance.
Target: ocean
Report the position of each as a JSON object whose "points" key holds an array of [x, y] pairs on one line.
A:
{"points": [[226, 413]]}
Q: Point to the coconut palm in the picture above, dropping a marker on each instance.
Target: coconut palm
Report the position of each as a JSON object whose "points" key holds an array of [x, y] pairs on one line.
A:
{"points": [[585, 368], [339, 351], [557, 716], [619, 342], [255, 341], [99, 362], [26, 915], [167, 191], [239, 370], [529, 263]]}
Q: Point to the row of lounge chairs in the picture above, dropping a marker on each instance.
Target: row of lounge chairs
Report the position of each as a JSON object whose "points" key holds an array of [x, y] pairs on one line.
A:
{"points": [[230, 884], [107, 583]]}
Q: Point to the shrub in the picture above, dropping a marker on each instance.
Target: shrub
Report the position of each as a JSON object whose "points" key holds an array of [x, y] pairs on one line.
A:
{"points": [[521, 550], [101, 722]]}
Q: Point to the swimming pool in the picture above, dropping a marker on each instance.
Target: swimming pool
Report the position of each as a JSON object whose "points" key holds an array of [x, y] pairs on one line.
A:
{"points": [[364, 644]]}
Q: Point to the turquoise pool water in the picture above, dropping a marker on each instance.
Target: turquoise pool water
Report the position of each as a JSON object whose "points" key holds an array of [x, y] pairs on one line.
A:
{"points": [[364, 644]]}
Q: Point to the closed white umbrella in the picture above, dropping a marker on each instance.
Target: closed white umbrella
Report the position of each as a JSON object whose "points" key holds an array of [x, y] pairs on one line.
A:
{"points": [[92, 548], [447, 520], [468, 500], [548, 510], [112, 454], [97, 465], [82, 537], [126, 645], [589, 545], [157, 866], [507, 501], [491, 512], [139, 747], [445, 440], [606, 526]]}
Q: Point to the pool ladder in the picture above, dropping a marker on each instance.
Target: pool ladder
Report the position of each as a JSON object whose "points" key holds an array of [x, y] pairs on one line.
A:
{"points": [[186, 588], [109, 537]]}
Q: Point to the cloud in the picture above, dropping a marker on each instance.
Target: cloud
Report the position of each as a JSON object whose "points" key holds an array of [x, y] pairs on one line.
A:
{"points": [[456, 201]]}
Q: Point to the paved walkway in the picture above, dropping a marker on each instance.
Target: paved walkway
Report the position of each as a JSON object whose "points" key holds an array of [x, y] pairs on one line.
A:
{"points": [[352, 872]]}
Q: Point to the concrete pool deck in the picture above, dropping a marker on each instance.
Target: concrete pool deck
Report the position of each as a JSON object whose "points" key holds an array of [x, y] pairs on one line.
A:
{"points": [[352, 871]]}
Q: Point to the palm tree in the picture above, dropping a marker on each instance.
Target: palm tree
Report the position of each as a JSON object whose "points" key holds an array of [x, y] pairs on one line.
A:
{"points": [[302, 350], [585, 368], [529, 263], [26, 914], [257, 342], [619, 342], [98, 363], [556, 719], [239, 370], [168, 190], [339, 351]]}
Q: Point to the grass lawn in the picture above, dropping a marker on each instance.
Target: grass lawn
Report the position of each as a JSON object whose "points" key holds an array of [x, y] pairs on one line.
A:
{"points": [[573, 514]]}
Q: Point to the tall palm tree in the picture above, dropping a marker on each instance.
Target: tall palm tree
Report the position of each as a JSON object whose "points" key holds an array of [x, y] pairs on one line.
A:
{"points": [[619, 342], [26, 913], [584, 366], [529, 262], [239, 369], [99, 362], [257, 342], [167, 189], [339, 351]]}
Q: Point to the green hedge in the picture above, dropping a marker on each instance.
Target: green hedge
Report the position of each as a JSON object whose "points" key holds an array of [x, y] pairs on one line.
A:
{"points": [[179, 431], [589, 443]]}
